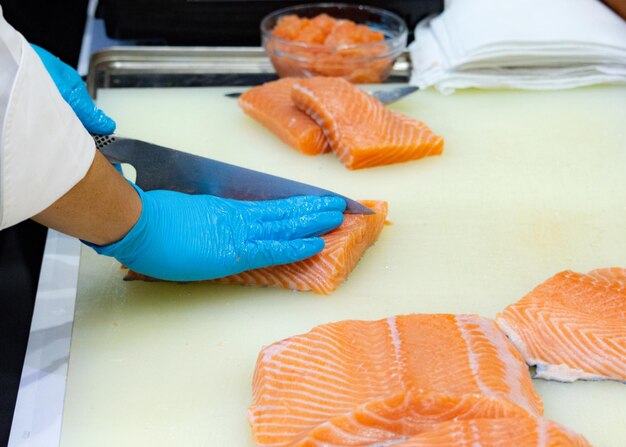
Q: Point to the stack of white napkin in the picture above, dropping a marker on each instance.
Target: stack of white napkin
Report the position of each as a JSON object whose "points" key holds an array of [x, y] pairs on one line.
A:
{"points": [[527, 44]]}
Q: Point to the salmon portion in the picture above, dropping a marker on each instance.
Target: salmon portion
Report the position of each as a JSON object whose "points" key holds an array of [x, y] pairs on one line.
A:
{"points": [[506, 432], [361, 131], [271, 105], [361, 382], [326, 46], [324, 30], [325, 271], [573, 326]]}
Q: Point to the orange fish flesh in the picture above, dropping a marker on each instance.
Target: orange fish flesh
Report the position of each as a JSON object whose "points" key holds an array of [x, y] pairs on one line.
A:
{"points": [[520, 431], [361, 131], [271, 105], [573, 326], [323, 272], [361, 382]]}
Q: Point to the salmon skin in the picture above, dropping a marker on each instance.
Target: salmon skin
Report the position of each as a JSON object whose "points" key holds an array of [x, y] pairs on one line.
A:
{"points": [[520, 431], [573, 326], [361, 131], [271, 105], [323, 272], [360, 383]]}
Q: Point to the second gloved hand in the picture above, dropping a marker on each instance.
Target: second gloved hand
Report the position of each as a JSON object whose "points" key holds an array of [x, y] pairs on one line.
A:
{"points": [[182, 237], [74, 92]]}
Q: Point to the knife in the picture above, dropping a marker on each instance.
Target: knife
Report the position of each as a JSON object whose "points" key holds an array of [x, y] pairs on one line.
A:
{"points": [[385, 96], [159, 167]]}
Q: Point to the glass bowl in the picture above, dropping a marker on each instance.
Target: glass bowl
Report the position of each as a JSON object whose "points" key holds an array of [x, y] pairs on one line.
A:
{"points": [[357, 62]]}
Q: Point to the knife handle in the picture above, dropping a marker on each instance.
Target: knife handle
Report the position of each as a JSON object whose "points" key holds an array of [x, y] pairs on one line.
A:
{"points": [[102, 141]]}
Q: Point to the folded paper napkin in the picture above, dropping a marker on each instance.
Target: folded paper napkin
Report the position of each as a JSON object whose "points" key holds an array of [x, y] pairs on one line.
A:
{"points": [[527, 44]]}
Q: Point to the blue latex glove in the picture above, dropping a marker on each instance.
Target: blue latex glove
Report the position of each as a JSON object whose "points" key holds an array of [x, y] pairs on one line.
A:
{"points": [[74, 92], [183, 237]]}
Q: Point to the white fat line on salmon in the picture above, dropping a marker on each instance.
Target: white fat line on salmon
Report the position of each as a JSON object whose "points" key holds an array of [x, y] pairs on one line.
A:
{"points": [[325, 352], [319, 359], [274, 349], [372, 415], [570, 341], [265, 276], [304, 413], [310, 396], [512, 373], [389, 443], [568, 346], [461, 321], [340, 432], [542, 432], [266, 418], [340, 394], [475, 434], [327, 340], [395, 340], [328, 381], [332, 128], [515, 338]]}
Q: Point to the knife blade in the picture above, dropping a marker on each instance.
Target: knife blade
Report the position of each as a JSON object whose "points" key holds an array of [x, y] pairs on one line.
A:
{"points": [[386, 96], [160, 167]]}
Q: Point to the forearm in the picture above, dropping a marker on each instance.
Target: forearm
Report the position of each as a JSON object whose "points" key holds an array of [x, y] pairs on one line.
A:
{"points": [[100, 209], [619, 6]]}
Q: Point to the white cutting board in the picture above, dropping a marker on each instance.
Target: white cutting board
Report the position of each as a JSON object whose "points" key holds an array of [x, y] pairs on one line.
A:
{"points": [[529, 184]]}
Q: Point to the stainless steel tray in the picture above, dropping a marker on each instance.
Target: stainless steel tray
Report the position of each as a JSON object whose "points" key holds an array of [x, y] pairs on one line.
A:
{"points": [[191, 67]]}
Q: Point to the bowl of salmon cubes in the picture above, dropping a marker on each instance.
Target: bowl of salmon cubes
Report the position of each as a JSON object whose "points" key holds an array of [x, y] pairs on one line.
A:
{"points": [[356, 42]]}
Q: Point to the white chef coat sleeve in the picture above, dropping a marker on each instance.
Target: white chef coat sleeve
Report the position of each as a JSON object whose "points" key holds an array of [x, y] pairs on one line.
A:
{"points": [[44, 148]]}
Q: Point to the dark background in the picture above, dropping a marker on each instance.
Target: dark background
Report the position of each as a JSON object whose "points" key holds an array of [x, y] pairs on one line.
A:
{"points": [[220, 22], [56, 25]]}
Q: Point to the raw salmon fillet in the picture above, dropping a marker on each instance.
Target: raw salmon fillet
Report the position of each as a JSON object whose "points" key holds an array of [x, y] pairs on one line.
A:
{"points": [[505, 432], [361, 131], [573, 326], [361, 382], [323, 272], [271, 105]]}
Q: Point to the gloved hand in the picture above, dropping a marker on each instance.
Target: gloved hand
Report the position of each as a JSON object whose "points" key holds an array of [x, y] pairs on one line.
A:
{"points": [[183, 237], [74, 92]]}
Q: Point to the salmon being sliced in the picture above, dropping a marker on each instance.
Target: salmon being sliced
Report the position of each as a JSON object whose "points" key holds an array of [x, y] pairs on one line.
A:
{"points": [[505, 432], [573, 326], [323, 272], [271, 105], [361, 382], [361, 131]]}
